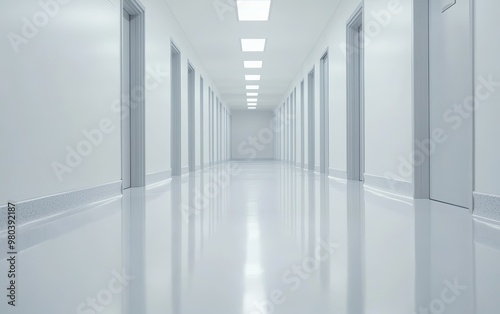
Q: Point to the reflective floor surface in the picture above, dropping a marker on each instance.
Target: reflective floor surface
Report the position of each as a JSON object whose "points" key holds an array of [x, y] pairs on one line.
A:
{"points": [[258, 238]]}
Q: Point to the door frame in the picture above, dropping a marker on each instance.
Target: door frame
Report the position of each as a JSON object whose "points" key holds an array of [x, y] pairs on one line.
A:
{"points": [[289, 126], [175, 110], [421, 96], [355, 99], [137, 117], [324, 112], [191, 78], [202, 123], [210, 127], [311, 126], [292, 129], [295, 126], [302, 124]]}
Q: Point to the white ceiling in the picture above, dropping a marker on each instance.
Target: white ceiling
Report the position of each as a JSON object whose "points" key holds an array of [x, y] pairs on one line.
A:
{"points": [[293, 28]]}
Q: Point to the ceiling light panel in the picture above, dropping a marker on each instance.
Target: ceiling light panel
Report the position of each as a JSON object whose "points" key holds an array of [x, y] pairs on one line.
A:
{"points": [[253, 45], [252, 87], [252, 108], [252, 100], [252, 104], [252, 94], [252, 64], [253, 10], [252, 77]]}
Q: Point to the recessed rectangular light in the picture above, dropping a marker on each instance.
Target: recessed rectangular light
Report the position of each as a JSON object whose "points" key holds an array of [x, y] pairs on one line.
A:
{"points": [[252, 104], [252, 94], [253, 11], [252, 100], [252, 64], [252, 108], [253, 45], [252, 87], [252, 77]]}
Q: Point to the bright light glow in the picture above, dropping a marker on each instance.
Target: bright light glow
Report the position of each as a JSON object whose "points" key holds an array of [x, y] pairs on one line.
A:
{"points": [[252, 104], [253, 270], [253, 45], [251, 108], [252, 77], [252, 99], [252, 94], [252, 87], [254, 283], [252, 64], [251, 11]]}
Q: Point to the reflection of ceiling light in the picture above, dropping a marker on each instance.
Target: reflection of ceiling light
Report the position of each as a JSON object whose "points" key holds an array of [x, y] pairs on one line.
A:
{"points": [[252, 64], [252, 77], [252, 87], [252, 99], [253, 45], [252, 104], [252, 94], [252, 270], [253, 10]]}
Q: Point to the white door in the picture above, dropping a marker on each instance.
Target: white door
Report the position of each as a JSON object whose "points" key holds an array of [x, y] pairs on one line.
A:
{"points": [[451, 79], [126, 101]]}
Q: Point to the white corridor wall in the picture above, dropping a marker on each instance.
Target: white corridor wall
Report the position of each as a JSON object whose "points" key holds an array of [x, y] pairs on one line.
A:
{"points": [[388, 94], [487, 115], [63, 82]]}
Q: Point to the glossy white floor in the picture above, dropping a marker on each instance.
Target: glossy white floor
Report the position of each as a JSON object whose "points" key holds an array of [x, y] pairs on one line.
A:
{"points": [[259, 238]]}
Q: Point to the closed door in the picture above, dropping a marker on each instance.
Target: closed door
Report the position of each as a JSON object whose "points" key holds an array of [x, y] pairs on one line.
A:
{"points": [[451, 92]]}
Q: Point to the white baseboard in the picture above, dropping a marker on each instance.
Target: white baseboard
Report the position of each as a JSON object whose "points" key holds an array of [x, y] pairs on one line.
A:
{"points": [[389, 185], [487, 232], [487, 206], [48, 206], [252, 160], [157, 177], [336, 173], [42, 230]]}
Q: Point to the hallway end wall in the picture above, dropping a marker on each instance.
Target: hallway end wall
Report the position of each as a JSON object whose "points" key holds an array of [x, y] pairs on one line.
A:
{"points": [[252, 135]]}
